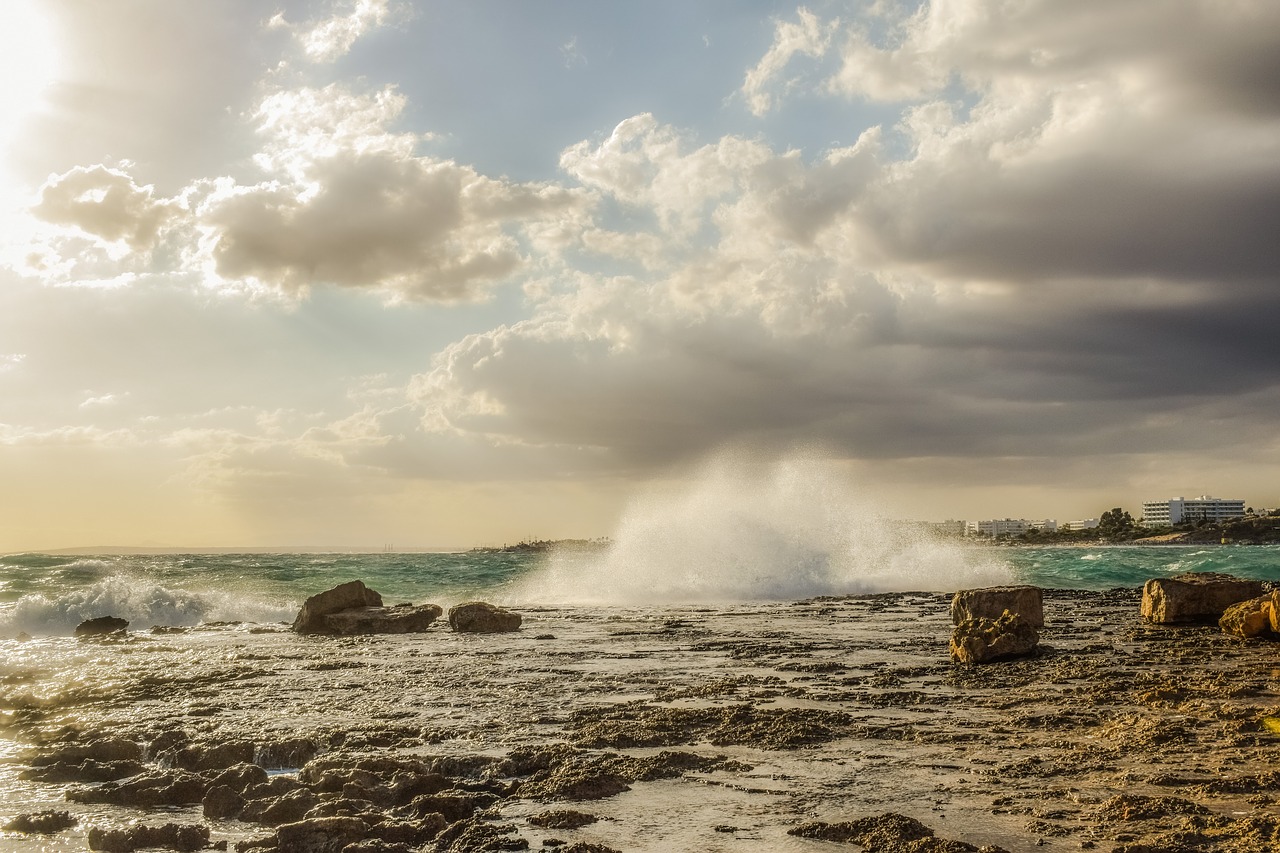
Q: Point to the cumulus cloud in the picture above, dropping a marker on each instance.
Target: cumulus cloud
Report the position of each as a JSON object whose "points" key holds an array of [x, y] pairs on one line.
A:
{"points": [[332, 38], [1094, 140], [353, 206], [106, 204], [345, 201], [807, 36]]}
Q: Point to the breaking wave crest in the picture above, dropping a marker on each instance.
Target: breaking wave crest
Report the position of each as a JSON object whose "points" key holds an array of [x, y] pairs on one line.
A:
{"points": [[142, 602], [794, 530]]}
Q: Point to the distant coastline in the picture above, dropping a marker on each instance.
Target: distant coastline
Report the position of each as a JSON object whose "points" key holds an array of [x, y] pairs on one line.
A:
{"points": [[541, 546], [1249, 530]]}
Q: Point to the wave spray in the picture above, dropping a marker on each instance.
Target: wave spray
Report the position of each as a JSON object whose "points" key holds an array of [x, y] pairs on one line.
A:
{"points": [[737, 532]]}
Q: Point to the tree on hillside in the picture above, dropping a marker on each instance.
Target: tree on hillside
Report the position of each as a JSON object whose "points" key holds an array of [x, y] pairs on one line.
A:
{"points": [[1116, 524]]}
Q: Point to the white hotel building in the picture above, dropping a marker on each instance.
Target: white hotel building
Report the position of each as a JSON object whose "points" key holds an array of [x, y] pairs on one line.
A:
{"points": [[1178, 510]]}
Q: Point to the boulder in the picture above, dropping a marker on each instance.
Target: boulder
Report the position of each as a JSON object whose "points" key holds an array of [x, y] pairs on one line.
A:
{"points": [[42, 823], [174, 836], [348, 596], [480, 617], [101, 625], [1194, 597], [400, 619], [1252, 618], [989, 603], [983, 640], [320, 835]]}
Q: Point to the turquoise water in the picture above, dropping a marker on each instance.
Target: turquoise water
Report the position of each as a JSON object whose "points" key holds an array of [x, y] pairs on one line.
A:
{"points": [[43, 594]]}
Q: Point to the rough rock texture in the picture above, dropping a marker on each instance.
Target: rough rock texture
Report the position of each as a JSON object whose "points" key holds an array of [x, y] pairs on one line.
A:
{"points": [[174, 836], [984, 640], [400, 619], [1252, 618], [1194, 597], [101, 625], [43, 823], [887, 833], [479, 617], [990, 602], [348, 596], [1275, 611], [320, 835]]}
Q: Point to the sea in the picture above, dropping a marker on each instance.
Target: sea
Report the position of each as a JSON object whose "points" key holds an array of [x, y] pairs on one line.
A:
{"points": [[209, 656], [48, 595]]}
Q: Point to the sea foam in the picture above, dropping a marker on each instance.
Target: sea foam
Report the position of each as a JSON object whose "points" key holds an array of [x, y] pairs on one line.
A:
{"points": [[741, 532], [141, 601]]}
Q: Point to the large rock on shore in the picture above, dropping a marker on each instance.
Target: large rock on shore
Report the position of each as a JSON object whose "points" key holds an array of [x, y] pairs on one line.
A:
{"points": [[983, 640], [1194, 597], [991, 602], [353, 608], [101, 625], [1256, 617], [348, 596], [480, 617], [399, 619]]}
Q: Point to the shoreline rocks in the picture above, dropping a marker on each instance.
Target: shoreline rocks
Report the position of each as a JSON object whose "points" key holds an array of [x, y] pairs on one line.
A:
{"points": [[983, 640], [480, 617], [352, 608], [1194, 597], [101, 626], [1257, 617], [991, 602]]}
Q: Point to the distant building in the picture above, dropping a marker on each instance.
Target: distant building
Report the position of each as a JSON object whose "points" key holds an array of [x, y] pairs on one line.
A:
{"points": [[1178, 510], [1081, 524], [998, 527], [950, 527]]}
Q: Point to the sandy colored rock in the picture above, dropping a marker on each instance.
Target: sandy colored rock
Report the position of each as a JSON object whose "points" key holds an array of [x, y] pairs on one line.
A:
{"points": [[1194, 597], [400, 619], [990, 602], [1252, 618], [480, 617], [348, 596], [1274, 612], [985, 640]]}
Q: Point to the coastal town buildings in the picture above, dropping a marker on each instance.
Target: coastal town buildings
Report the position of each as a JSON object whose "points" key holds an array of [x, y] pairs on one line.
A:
{"points": [[1178, 510], [998, 527]]}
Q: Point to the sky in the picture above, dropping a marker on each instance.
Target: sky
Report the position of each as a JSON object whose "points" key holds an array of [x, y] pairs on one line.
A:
{"points": [[435, 274]]}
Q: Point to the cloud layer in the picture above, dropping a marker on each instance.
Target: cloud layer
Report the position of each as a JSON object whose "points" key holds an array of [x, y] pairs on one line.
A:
{"points": [[1057, 256]]}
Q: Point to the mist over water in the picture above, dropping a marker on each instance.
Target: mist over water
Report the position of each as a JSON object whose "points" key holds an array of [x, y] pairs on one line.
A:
{"points": [[795, 529]]}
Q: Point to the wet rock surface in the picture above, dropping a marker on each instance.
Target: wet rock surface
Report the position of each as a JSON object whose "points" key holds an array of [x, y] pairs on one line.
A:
{"points": [[101, 625], [753, 728], [481, 617]]}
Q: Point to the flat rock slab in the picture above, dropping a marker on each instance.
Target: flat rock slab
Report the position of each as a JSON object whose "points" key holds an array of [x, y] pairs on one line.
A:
{"points": [[400, 619], [1194, 597], [991, 602]]}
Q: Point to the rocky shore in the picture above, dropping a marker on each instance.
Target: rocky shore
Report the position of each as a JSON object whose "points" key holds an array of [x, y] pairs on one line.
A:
{"points": [[836, 723]]}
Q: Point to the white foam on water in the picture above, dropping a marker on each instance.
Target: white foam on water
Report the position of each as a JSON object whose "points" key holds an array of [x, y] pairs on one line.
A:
{"points": [[737, 532], [142, 602]]}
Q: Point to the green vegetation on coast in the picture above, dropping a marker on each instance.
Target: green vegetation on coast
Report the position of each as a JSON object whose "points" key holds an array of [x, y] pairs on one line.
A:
{"points": [[1118, 527]]}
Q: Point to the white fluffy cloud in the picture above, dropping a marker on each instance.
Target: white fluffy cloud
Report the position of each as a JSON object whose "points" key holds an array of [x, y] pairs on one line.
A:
{"points": [[346, 202], [106, 204]]}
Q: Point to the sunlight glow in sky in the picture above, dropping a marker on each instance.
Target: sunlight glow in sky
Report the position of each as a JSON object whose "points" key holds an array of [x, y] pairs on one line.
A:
{"points": [[351, 272]]}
